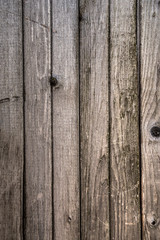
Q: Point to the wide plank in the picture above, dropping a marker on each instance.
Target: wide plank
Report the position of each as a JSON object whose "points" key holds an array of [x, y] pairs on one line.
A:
{"points": [[11, 120], [94, 117], [65, 119], [124, 140], [150, 117], [38, 142]]}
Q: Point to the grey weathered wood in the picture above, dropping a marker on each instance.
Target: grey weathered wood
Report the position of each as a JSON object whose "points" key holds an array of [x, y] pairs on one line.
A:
{"points": [[66, 119], [11, 120], [150, 115], [94, 119], [125, 177], [38, 162]]}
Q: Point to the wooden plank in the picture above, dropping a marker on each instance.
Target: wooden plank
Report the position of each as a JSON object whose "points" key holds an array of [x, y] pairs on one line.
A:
{"points": [[150, 116], [66, 119], [125, 177], [94, 119], [11, 120], [38, 166]]}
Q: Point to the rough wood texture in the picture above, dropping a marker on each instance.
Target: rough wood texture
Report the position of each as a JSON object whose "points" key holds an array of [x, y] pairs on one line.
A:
{"points": [[66, 119], [94, 119], [70, 190], [11, 120], [125, 178], [38, 167], [150, 105]]}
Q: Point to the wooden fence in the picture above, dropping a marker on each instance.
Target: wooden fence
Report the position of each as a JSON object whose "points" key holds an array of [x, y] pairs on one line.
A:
{"points": [[79, 119]]}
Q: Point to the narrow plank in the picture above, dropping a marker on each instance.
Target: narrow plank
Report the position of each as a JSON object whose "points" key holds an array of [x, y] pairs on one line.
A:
{"points": [[66, 119], [11, 120], [150, 117], [38, 166], [125, 177], [94, 119]]}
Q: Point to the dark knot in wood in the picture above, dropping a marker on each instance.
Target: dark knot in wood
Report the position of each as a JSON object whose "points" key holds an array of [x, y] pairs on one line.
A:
{"points": [[53, 81], [153, 222], [155, 131]]}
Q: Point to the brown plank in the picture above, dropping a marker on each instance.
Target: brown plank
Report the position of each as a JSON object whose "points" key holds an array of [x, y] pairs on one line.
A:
{"points": [[38, 166], [11, 120], [150, 116], [125, 177], [66, 119], [94, 119]]}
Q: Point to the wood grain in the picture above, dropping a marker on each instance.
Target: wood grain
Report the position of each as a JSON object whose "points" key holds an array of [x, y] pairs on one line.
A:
{"points": [[11, 120], [94, 119], [150, 115], [125, 177], [66, 119], [38, 161]]}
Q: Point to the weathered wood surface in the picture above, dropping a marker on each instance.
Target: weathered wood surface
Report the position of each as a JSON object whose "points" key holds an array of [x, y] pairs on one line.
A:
{"points": [[150, 116], [38, 161], [125, 177], [70, 152], [94, 119], [11, 120], [66, 119]]}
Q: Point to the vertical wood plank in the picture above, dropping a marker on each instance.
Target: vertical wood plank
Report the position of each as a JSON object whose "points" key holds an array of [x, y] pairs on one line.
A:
{"points": [[38, 167], [94, 119], [125, 177], [150, 115], [11, 120], [66, 119]]}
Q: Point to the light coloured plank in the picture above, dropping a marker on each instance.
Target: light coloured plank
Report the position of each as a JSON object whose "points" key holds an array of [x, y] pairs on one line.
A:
{"points": [[11, 120], [150, 116], [38, 161], [125, 177], [94, 118], [66, 119]]}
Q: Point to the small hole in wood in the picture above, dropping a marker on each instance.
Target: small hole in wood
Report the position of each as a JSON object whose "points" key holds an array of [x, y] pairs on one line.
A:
{"points": [[53, 81], [69, 219], [155, 131], [153, 223]]}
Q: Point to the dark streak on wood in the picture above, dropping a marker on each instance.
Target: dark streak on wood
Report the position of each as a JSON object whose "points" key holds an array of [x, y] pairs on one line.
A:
{"points": [[40, 24], [4, 100]]}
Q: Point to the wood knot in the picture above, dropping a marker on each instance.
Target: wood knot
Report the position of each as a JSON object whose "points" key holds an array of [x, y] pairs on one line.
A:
{"points": [[155, 131], [53, 81], [152, 221]]}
